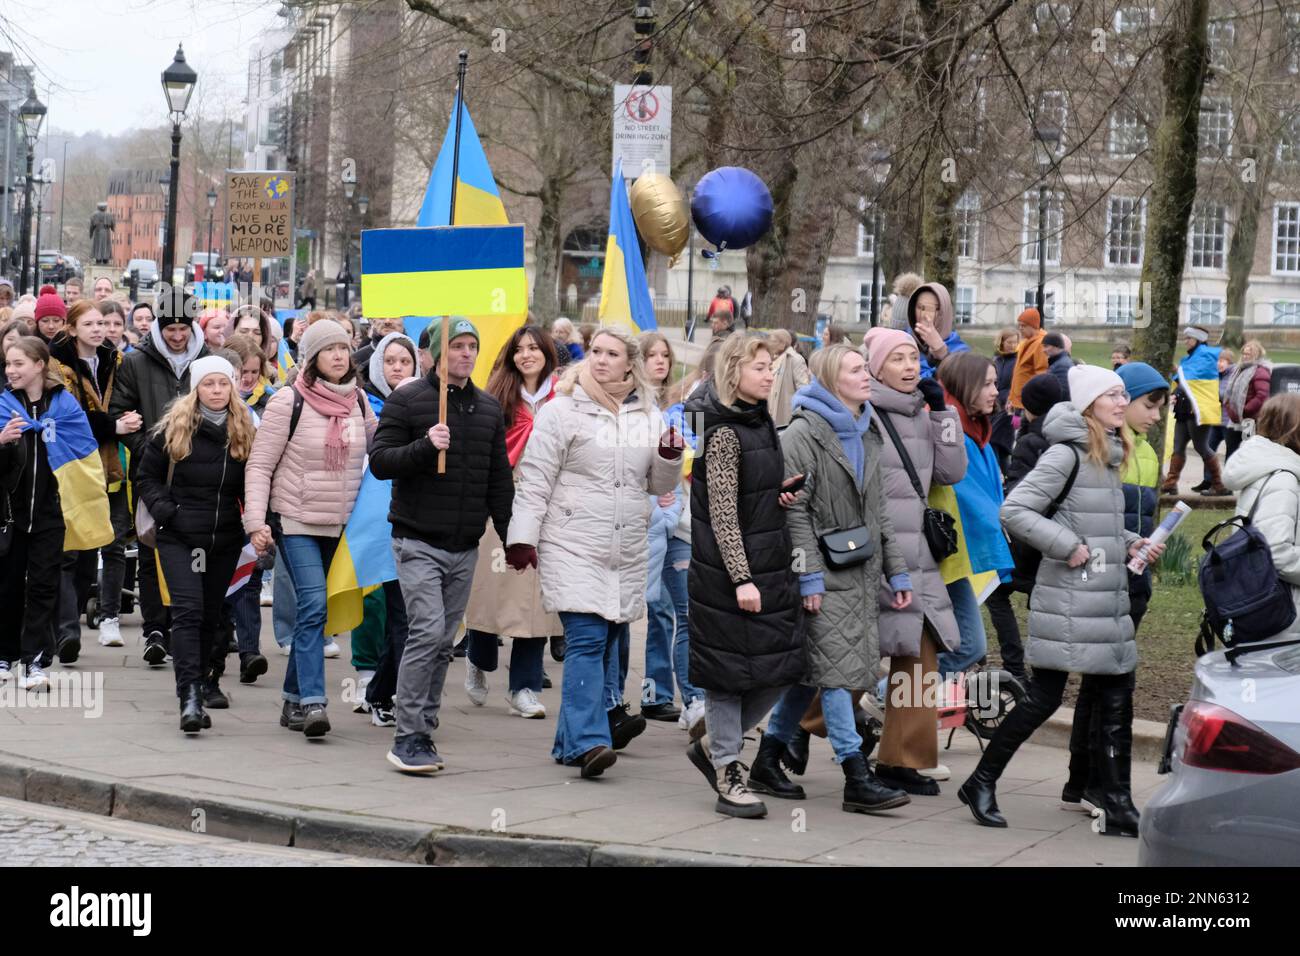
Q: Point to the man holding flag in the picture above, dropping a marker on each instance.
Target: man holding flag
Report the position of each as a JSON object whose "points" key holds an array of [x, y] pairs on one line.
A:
{"points": [[438, 520]]}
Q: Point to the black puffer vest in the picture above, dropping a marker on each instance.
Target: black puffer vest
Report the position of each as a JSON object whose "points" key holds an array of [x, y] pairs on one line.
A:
{"points": [[732, 650]]}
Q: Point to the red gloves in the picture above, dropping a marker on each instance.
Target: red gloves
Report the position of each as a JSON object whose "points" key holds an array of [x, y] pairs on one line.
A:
{"points": [[671, 444], [520, 556]]}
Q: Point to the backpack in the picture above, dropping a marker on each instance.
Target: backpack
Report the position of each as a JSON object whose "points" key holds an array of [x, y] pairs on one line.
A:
{"points": [[362, 402], [1240, 586], [1027, 558]]}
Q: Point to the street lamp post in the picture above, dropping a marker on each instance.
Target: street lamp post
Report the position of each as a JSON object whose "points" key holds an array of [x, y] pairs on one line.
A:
{"points": [[1047, 138], [880, 166], [212, 210], [349, 189], [31, 114], [178, 83], [40, 204]]}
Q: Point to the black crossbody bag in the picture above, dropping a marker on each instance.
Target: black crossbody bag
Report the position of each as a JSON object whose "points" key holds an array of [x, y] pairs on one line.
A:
{"points": [[939, 527]]}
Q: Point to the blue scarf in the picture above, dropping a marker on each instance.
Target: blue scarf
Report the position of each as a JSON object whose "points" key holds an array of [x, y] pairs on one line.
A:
{"points": [[849, 430]]}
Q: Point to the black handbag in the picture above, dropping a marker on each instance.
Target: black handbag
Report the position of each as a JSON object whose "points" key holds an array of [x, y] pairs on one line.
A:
{"points": [[939, 527], [845, 549]]}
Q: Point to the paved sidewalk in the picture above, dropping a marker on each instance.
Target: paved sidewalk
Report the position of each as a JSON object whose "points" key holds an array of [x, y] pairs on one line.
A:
{"points": [[500, 779]]}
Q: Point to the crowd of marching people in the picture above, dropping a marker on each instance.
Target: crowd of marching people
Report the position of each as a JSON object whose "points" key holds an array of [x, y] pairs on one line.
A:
{"points": [[785, 525]]}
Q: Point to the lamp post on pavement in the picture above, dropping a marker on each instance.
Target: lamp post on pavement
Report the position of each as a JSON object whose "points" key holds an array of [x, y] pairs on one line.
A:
{"points": [[349, 190], [31, 114], [1046, 140], [178, 82], [880, 166], [212, 211]]}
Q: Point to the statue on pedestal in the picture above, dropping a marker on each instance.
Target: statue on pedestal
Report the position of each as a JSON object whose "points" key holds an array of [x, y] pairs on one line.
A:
{"points": [[102, 225]]}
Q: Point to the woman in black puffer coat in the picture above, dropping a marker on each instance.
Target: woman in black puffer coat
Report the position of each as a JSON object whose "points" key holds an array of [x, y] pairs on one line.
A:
{"points": [[192, 480]]}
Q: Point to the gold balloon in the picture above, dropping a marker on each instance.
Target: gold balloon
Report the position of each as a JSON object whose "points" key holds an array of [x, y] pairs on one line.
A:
{"points": [[661, 214]]}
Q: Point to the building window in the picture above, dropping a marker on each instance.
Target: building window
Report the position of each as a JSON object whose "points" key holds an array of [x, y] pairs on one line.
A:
{"points": [[864, 298], [1128, 134], [1052, 19], [1288, 141], [969, 126], [964, 305], [1203, 310], [1286, 313], [1125, 224], [1209, 235], [968, 225], [1292, 31], [1215, 133], [866, 238], [1221, 34], [1130, 25], [1054, 110], [1030, 301], [1055, 221], [1286, 238], [1120, 307]]}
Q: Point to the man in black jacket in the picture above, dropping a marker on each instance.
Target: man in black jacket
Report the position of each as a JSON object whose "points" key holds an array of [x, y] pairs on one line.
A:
{"points": [[149, 379], [437, 521]]}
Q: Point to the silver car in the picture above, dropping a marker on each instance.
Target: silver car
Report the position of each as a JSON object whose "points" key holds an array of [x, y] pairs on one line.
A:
{"points": [[1233, 752]]}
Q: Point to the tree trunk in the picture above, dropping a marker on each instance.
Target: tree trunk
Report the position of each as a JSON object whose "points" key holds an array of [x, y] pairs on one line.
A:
{"points": [[1173, 188], [1241, 249], [546, 254], [939, 190]]}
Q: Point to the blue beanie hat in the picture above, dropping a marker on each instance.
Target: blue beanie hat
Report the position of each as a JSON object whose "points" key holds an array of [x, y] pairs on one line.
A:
{"points": [[1140, 378]]}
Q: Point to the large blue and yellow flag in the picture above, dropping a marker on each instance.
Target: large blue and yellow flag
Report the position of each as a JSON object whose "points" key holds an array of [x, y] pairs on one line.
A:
{"points": [[74, 459], [478, 203], [1198, 379], [624, 292], [364, 559]]}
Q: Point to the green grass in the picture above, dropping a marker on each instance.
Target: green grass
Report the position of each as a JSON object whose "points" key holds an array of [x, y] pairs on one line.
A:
{"points": [[1098, 353], [1166, 640]]}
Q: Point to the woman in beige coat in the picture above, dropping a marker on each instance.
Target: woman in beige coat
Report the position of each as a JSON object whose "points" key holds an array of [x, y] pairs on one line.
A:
{"points": [[308, 474], [791, 374], [580, 517], [510, 604]]}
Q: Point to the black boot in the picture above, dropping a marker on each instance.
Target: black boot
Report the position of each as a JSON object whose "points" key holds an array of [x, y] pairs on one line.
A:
{"points": [[795, 757], [1114, 761], [765, 775], [193, 717], [213, 696], [979, 792], [1081, 747], [863, 791]]}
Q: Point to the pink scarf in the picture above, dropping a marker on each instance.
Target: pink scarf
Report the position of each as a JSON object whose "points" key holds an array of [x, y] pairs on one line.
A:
{"points": [[338, 409]]}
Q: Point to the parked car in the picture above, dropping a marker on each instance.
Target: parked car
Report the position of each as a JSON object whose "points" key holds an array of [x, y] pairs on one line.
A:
{"points": [[148, 273], [54, 267], [212, 268], [1233, 752], [75, 269]]}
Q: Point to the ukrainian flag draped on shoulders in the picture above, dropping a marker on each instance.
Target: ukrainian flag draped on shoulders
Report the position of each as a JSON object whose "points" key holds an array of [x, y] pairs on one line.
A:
{"points": [[624, 293], [73, 456], [1198, 379], [478, 203]]}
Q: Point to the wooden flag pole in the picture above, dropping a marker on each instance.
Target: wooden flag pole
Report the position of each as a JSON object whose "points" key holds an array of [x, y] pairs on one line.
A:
{"points": [[257, 280], [461, 67]]}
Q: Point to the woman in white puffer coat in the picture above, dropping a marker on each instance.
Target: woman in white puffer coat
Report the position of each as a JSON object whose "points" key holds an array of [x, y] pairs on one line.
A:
{"points": [[580, 516], [1266, 468]]}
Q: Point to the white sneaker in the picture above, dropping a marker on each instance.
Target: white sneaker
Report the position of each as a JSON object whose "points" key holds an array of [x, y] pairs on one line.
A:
{"points": [[286, 649], [268, 591], [525, 704], [332, 648], [476, 684], [873, 708], [363, 680], [383, 717], [937, 772], [5, 673], [110, 632], [692, 714], [34, 678]]}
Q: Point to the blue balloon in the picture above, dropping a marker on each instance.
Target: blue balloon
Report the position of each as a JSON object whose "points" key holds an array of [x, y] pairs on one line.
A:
{"points": [[731, 207]]}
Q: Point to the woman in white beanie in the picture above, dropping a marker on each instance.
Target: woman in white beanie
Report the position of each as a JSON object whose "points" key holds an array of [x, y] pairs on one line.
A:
{"points": [[192, 480], [1071, 509]]}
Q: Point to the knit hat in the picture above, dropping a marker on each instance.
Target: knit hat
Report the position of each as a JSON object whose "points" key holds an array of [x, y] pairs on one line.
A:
{"points": [[1030, 317], [209, 365], [1040, 393], [1087, 382], [1140, 378], [319, 336], [459, 326], [49, 303], [1193, 332], [880, 342], [1055, 339], [24, 310]]}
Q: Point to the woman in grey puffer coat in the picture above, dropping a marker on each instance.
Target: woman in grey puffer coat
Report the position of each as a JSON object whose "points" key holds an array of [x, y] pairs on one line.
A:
{"points": [[1078, 612]]}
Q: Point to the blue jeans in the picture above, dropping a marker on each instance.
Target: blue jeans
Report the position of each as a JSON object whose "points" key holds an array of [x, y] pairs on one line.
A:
{"points": [[525, 658], [590, 648], [668, 633], [307, 559], [617, 661], [837, 706], [974, 642], [284, 609], [245, 607]]}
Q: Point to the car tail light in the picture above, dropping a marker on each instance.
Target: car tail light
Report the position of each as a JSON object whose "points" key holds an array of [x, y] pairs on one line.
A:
{"points": [[1217, 739]]}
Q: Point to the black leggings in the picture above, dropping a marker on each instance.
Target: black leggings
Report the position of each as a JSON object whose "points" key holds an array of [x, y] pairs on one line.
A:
{"points": [[1045, 695], [1007, 628], [1186, 430]]}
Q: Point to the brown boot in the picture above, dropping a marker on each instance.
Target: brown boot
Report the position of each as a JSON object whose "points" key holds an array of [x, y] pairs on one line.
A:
{"points": [[1170, 485], [1214, 472]]}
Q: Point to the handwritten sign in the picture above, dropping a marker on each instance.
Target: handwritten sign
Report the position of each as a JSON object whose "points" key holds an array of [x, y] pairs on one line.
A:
{"points": [[259, 214]]}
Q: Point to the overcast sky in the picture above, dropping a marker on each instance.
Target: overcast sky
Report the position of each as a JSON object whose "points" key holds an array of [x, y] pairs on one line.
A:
{"points": [[104, 58]]}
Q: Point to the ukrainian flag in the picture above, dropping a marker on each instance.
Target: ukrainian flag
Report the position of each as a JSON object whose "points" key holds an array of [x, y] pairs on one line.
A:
{"points": [[284, 360], [73, 455], [364, 559], [624, 292], [478, 203], [1198, 378]]}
